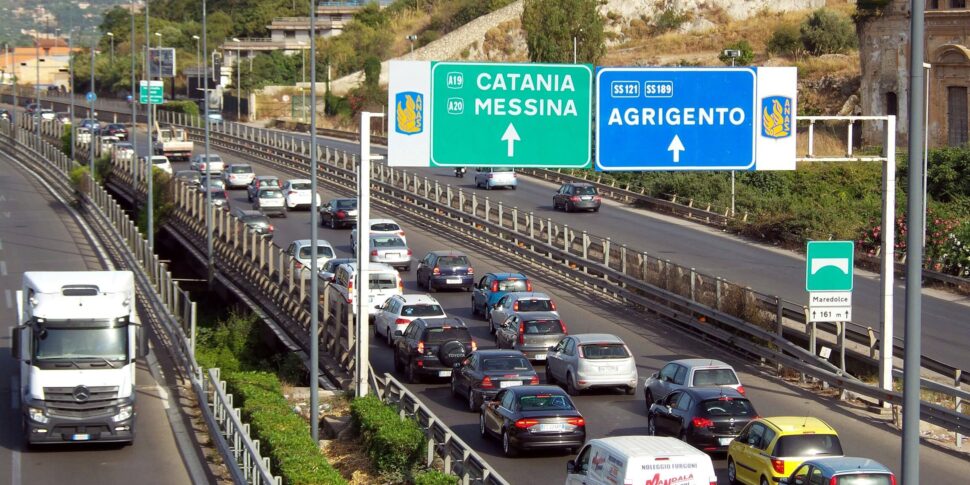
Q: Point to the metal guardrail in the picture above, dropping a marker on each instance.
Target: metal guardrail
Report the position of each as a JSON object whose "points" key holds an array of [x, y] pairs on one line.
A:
{"points": [[173, 305]]}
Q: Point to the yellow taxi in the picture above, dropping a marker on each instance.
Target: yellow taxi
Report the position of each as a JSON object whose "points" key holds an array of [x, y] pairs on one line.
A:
{"points": [[769, 449]]}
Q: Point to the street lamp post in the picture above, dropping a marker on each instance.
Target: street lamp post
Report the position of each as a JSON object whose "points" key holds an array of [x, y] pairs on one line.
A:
{"points": [[37, 116], [733, 54], [94, 41], [208, 173], [111, 36], [303, 83], [411, 38], [70, 60], [198, 68], [926, 140], [238, 80]]}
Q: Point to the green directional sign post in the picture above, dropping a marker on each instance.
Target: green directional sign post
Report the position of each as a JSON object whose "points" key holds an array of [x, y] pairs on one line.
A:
{"points": [[829, 266], [151, 92], [516, 115]]}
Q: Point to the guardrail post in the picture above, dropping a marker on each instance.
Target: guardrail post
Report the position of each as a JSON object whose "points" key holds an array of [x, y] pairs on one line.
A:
{"points": [[448, 195], [623, 261], [515, 220], [290, 268], [474, 210], [488, 208], [565, 238], [532, 225], [718, 282], [437, 192], [302, 287], [693, 284], [281, 259], [549, 231], [585, 249], [606, 251], [426, 188], [958, 402]]}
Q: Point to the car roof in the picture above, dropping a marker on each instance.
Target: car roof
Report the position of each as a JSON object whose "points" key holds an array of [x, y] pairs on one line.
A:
{"points": [[306, 242], [529, 316], [713, 392], [240, 165], [298, 181], [509, 276], [844, 464], [499, 353], [693, 363], [799, 424], [442, 322], [267, 177], [587, 338], [579, 184], [416, 299], [373, 267], [555, 390], [528, 295], [248, 212], [646, 446], [447, 252], [383, 221]]}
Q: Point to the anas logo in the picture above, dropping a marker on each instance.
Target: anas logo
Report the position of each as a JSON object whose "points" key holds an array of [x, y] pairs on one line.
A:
{"points": [[776, 117], [410, 112]]}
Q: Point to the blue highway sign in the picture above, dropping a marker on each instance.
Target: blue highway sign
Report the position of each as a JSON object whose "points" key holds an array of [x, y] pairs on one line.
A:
{"points": [[91, 97], [676, 118]]}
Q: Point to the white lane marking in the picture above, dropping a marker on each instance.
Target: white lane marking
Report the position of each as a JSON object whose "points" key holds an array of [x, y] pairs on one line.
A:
{"points": [[9, 296], [164, 395], [3, 268]]}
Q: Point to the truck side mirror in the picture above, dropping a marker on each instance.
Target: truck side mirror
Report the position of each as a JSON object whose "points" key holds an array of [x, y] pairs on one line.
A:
{"points": [[571, 467], [15, 342], [141, 342]]}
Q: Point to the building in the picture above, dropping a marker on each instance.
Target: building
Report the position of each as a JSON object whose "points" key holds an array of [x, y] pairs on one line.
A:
{"points": [[884, 54], [53, 59]]}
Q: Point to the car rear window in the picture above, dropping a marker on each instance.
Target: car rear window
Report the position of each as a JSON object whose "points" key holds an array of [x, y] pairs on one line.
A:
{"points": [[383, 281], [449, 261], [386, 242], [424, 310], [241, 169], [444, 334], [346, 204], [507, 364], [865, 479], [714, 377], [270, 194], [727, 406], [511, 285], [585, 190], [541, 402], [256, 220], [542, 327], [808, 445], [322, 251], [300, 186], [535, 306], [604, 351], [218, 194], [385, 227]]}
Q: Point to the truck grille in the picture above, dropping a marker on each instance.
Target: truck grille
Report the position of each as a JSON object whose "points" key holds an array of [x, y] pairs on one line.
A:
{"points": [[81, 400]]}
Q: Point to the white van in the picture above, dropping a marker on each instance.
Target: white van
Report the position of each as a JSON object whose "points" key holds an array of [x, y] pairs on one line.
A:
{"points": [[385, 282], [650, 460]]}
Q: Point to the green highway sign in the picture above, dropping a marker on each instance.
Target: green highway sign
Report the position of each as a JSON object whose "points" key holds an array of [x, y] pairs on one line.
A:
{"points": [[829, 266], [522, 115], [151, 92]]}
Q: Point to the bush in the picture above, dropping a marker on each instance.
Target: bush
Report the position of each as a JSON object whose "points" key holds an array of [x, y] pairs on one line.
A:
{"points": [[187, 107], [66, 140], [669, 19], [785, 40], [77, 176], [393, 445], [434, 477], [827, 32], [747, 54]]}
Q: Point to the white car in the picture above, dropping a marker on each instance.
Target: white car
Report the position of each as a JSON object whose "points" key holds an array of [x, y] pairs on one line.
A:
{"points": [[162, 163], [238, 175], [270, 201], [379, 227], [83, 135], [397, 312], [122, 151], [198, 163], [297, 194], [300, 250]]}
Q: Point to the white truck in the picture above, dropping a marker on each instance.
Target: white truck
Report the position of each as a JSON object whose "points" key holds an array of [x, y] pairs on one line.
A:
{"points": [[77, 339], [173, 143]]}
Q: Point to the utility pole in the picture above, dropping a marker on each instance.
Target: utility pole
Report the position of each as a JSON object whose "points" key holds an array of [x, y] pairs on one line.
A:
{"points": [[70, 60], [151, 111], [314, 237], [94, 41], [37, 117], [111, 36], [208, 194], [197, 66], [134, 93]]}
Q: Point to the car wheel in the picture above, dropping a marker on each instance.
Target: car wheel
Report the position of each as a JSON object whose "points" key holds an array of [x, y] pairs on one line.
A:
{"points": [[764, 481], [488, 186], [481, 425], [474, 307], [648, 398], [473, 404], [412, 374], [507, 447], [488, 313], [732, 473], [571, 386], [390, 341], [550, 379], [397, 363], [651, 426], [431, 288], [596, 209], [630, 390], [491, 327]]}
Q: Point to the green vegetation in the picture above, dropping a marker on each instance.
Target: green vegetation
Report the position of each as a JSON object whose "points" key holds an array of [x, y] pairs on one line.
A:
{"points": [[668, 20], [828, 32], [747, 54], [187, 107], [163, 202], [393, 445], [434, 477], [551, 25], [785, 40], [66, 140]]}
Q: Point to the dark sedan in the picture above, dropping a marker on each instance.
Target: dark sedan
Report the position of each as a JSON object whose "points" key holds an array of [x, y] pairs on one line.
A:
{"points": [[708, 418], [485, 372], [533, 417], [116, 129], [573, 196], [445, 269], [339, 213], [255, 221]]}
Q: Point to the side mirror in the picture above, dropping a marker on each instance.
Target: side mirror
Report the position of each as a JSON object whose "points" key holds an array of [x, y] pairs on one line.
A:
{"points": [[141, 342], [398, 333], [655, 375], [571, 466], [378, 307], [15, 342], [552, 348]]}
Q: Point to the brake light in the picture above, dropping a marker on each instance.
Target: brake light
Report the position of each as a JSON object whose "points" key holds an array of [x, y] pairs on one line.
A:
{"points": [[741, 389], [373, 252], [552, 305], [400, 285], [436, 271], [574, 198], [486, 383], [350, 291], [401, 321], [582, 354], [702, 423], [341, 214], [495, 285], [271, 228], [515, 306], [489, 176], [597, 198], [534, 381], [470, 270], [474, 345], [576, 421], [778, 465], [400, 233], [526, 423], [528, 285], [409, 252], [522, 332], [563, 325], [420, 346], [292, 192]]}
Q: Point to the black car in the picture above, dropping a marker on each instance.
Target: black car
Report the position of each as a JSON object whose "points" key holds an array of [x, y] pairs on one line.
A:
{"points": [[115, 129], [190, 177], [574, 196], [339, 213], [431, 347], [485, 372], [533, 417], [708, 418], [255, 221], [446, 269]]}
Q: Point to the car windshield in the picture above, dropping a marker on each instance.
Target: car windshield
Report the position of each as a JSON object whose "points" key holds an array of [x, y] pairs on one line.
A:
{"points": [[346, 203], [322, 251], [385, 227], [260, 221], [270, 194], [585, 190], [506, 364], [241, 169], [714, 377], [604, 351], [214, 158], [449, 261], [445, 334], [300, 186], [159, 160], [511, 285], [545, 402], [422, 310], [383, 281], [808, 445], [865, 479], [535, 306], [728, 406], [386, 242], [542, 327], [193, 175]]}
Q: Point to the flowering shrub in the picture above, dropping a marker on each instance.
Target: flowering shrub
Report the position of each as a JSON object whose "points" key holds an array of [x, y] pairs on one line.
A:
{"points": [[947, 242]]}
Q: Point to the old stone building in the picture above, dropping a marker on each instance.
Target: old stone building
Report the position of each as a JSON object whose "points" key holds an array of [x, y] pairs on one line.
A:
{"points": [[884, 51]]}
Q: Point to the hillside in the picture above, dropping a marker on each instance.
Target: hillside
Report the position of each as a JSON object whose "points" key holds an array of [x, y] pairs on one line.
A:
{"points": [[25, 16]]}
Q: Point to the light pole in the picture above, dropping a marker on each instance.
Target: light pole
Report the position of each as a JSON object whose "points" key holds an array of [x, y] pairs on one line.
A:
{"points": [[314, 276], [303, 83], [134, 94], [208, 174], [151, 126], [411, 38], [94, 41], [926, 141], [238, 80], [733, 54], [111, 36], [70, 60], [37, 116], [197, 66], [576, 44]]}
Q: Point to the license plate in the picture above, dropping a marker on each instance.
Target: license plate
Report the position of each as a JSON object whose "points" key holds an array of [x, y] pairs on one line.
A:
{"points": [[540, 356], [587, 197], [607, 369], [504, 384], [453, 281], [444, 373], [552, 427], [80, 437], [394, 255], [725, 441]]}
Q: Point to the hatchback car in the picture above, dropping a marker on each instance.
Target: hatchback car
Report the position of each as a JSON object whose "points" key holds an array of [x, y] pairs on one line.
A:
{"points": [[214, 160], [845, 470], [533, 417], [379, 227], [297, 193], [238, 175], [445, 269], [162, 163], [215, 182], [532, 333], [494, 286], [270, 201], [122, 151], [769, 449], [398, 311], [682, 373], [573, 196], [339, 213], [490, 178], [301, 250], [261, 182], [520, 301], [255, 221], [391, 250], [708, 418], [485, 372], [432, 347], [585, 361], [190, 177], [329, 269]]}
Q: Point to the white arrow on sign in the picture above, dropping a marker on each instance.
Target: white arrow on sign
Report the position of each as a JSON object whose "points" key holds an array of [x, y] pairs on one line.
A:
{"points": [[511, 136], [676, 146]]}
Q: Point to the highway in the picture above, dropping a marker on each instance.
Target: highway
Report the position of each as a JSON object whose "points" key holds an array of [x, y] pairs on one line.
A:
{"points": [[653, 342], [37, 233]]}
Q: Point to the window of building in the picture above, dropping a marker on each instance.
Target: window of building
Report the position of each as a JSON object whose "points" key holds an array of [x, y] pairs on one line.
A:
{"points": [[956, 115], [932, 4], [892, 104], [958, 3], [290, 34]]}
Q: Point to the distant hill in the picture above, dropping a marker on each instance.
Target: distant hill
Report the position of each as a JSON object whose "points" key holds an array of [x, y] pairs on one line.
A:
{"points": [[22, 17]]}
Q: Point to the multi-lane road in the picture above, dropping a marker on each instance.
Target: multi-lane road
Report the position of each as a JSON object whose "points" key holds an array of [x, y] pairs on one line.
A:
{"points": [[653, 343]]}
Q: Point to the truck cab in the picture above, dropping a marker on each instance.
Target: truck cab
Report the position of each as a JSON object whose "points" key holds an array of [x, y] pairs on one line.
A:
{"points": [[77, 340]]}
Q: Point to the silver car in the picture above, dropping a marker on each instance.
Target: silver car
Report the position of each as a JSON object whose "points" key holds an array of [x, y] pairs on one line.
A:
{"points": [[682, 373], [329, 269], [238, 175], [520, 301], [301, 250], [391, 250], [589, 360], [532, 333], [270, 201]]}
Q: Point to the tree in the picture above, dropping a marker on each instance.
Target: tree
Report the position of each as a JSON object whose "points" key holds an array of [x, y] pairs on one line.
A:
{"points": [[785, 40], [747, 54], [827, 32], [551, 26]]}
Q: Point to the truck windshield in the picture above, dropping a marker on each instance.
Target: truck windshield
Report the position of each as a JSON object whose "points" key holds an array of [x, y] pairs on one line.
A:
{"points": [[51, 344]]}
